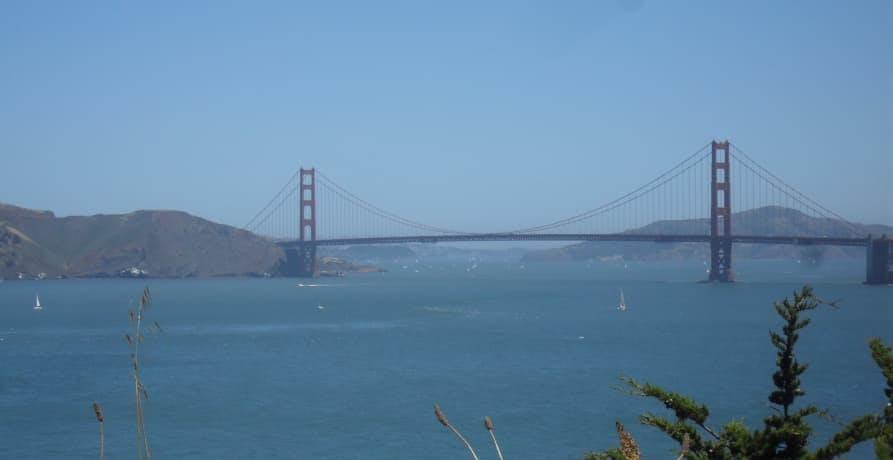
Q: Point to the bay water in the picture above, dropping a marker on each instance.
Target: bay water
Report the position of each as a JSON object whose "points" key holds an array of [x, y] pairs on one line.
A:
{"points": [[350, 367]]}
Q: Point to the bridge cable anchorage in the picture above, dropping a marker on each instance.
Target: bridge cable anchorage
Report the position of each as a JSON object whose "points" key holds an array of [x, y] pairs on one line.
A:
{"points": [[673, 172], [792, 193], [347, 195], [254, 220]]}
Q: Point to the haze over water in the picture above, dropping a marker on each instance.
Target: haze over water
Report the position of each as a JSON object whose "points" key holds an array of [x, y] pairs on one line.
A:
{"points": [[253, 368]]}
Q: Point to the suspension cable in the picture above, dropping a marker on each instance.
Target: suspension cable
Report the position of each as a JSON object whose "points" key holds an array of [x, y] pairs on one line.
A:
{"points": [[825, 211], [344, 193], [253, 220], [621, 200]]}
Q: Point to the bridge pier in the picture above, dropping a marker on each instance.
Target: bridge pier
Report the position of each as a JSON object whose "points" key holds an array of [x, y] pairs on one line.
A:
{"points": [[721, 260], [879, 261], [300, 261]]}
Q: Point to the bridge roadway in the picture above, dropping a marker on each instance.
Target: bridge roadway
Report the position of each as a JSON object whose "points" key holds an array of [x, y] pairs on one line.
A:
{"points": [[658, 238]]}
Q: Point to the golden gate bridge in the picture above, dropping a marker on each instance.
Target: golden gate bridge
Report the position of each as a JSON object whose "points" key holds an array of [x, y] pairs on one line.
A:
{"points": [[690, 202]]}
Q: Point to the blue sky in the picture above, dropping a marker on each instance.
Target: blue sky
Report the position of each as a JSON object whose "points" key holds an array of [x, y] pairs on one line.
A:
{"points": [[467, 115]]}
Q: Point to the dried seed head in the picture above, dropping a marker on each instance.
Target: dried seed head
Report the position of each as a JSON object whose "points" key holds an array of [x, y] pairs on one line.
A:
{"points": [[146, 298], [488, 423], [129, 341], [628, 446], [157, 326], [145, 394], [131, 316], [440, 417], [98, 410]]}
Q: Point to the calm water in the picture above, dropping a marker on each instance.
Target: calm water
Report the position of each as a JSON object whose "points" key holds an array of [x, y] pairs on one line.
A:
{"points": [[252, 368]]}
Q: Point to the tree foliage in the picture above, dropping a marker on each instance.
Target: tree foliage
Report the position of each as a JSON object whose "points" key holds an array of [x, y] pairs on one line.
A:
{"points": [[883, 356], [785, 433]]}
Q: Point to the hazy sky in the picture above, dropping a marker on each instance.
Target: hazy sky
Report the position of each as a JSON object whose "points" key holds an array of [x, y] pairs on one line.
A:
{"points": [[473, 115]]}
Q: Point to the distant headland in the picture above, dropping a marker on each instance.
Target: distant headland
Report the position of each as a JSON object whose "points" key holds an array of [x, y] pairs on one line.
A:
{"points": [[157, 244]]}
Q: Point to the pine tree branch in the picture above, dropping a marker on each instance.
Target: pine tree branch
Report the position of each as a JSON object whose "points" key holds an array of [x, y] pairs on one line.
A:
{"points": [[859, 430], [677, 430]]}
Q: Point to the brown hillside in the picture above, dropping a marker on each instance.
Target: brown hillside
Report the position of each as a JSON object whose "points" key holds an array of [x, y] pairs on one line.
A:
{"points": [[163, 243]]}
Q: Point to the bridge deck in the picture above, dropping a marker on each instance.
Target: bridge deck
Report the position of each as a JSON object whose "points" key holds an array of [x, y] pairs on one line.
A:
{"points": [[793, 240]]}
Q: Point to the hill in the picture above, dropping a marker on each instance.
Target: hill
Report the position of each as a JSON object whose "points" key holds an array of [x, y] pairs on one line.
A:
{"points": [[767, 221], [142, 243]]}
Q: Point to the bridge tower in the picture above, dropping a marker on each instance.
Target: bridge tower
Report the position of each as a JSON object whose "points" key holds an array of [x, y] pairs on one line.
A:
{"points": [[308, 204], [301, 259], [879, 261], [308, 222], [720, 215]]}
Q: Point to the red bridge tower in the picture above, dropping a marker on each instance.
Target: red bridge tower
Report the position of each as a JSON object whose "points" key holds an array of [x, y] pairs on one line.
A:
{"points": [[300, 259], [308, 222], [720, 215]]}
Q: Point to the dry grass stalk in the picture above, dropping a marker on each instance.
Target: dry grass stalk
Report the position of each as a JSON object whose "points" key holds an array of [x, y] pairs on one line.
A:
{"points": [[100, 417], [628, 446], [139, 390], [443, 420], [488, 424]]}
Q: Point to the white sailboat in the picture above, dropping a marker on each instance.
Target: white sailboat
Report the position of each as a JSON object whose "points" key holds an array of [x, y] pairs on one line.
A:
{"points": [[622, 306], [37, 302]]}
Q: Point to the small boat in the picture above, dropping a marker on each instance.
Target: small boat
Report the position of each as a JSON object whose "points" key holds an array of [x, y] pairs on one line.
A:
{"points": [[321, 307], [37, 302], [622, 306]]}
